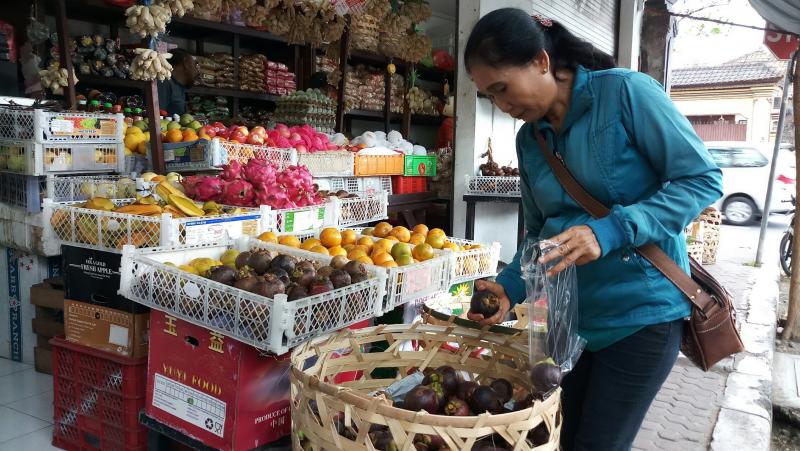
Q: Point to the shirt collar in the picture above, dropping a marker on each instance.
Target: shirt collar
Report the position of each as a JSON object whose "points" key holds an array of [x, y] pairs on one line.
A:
{"points": [[580, 101]]}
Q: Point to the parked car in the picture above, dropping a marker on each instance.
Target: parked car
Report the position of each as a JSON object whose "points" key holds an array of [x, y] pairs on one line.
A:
{"points": [[745, 172]]}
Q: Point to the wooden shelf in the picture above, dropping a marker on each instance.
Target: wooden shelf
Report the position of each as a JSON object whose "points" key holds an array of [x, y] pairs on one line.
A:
{"points": [[371, 115], [237, 93], [112, 82], [426, 73], [424, 119]]}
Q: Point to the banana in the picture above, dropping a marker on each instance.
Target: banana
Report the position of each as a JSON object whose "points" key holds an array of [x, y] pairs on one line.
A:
{"points": [[144, 210]]}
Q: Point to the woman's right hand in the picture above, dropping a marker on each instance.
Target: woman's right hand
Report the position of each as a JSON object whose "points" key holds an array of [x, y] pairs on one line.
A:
{"points": [[505, 304]]}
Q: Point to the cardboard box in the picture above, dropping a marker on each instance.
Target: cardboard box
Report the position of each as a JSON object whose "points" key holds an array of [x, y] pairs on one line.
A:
{"points": [[92, 276], [107, 329], [43, 360], [48, 322], [49, 293], [43, 342], [215, 389]]}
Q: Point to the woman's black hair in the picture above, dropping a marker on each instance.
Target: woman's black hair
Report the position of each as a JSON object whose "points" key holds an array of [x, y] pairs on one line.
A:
{"points": [[511, 37]]}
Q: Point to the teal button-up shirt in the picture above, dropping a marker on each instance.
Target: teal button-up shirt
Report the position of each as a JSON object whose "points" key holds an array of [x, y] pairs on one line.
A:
{"points": [[630, 147]]}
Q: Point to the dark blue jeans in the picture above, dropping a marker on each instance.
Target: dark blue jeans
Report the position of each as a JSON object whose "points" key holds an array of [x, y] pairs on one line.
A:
{"points": [[607, 394]]}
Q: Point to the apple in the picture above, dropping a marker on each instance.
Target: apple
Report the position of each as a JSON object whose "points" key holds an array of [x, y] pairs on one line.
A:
{"points": [[259, 130], [238, 136], [301, 148], [244, 130], [284, 132], [295, 137], [208, 130], [255, 139], [218, 127], [281, 127]]}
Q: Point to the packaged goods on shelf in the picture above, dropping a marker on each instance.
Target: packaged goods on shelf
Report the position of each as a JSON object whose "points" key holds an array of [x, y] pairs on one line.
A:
{"points": [[252, 73], [310, 107], [279, 79], [421, 101], [97, 55]]}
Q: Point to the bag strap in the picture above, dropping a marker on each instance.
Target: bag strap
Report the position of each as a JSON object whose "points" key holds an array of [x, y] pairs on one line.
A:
{"points": [[660, 260]]}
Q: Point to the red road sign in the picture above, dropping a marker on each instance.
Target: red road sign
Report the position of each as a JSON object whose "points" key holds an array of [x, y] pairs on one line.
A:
{"points": [[782, 45]]}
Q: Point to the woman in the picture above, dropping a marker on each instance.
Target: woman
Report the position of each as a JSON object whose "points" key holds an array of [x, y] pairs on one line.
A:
{"points": [[624, 140]]}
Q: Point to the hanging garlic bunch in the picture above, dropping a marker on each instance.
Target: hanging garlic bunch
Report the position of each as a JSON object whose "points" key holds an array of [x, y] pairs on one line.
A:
{"points": [[55, 79], [148, 20], [149, 65], [178, 7]]}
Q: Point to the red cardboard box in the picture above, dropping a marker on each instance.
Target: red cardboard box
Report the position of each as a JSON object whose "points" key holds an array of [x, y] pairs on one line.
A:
{"points": [[215, 389]]}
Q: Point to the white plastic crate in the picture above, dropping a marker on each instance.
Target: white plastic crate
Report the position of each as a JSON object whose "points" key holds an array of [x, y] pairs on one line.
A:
{"points": [[301, 219], [32, 158], [473, 263], [226, 151], [370, 185], [406, 283], [23, 191], [482, 185], [328, 163], [83, 187], [363, 209], [68, 223], [20, 229], [48, 127], [273, 325]]}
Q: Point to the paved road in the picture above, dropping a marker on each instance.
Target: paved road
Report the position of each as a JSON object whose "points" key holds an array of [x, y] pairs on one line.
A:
{"points": [[685, 411]]}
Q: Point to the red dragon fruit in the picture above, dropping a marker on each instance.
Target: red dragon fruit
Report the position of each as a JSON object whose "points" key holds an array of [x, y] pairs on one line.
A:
{"points": [[259, 172], [231, 171], [238, 192], [209, 188], [190, 183]]}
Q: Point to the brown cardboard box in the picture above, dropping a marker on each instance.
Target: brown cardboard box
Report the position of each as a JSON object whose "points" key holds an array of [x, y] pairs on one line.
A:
{"points": [[48, 322], [43, 360], [43, 342], [49, 293], [107, 329]]}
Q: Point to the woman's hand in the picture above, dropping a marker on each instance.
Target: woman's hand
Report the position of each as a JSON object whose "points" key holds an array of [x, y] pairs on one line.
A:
{"points": [[577, 245], [505, 304]]}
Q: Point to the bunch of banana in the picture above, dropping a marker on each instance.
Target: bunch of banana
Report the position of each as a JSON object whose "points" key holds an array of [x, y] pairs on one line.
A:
{"points": [[148, 20], [149, 65], [55, 79], [178, 7]]}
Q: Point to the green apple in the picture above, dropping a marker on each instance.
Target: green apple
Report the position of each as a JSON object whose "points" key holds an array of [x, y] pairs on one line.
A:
{"points": [[186, 119], [195, 125], [142, 125], [173, 125]]}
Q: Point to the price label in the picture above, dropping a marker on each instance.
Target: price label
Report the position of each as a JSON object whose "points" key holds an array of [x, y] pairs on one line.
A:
{"points": [[190, 405], [298, 221], [212, 230], [416, 280]]}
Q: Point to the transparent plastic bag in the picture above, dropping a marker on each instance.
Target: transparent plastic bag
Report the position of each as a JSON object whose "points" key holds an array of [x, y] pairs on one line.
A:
{"points": [[555, 345]]}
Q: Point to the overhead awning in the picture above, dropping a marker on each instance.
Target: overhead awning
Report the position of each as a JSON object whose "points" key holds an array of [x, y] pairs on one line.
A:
{"points": [[785, 14]]}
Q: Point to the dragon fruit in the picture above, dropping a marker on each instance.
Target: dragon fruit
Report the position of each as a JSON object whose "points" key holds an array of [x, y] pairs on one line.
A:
{"points": [[259, 172], [231, 171], [209, 188], [238, 192], [190, 183]]}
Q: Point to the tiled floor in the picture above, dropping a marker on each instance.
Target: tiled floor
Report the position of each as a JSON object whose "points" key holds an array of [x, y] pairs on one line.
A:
{"points": [[26, 408]]}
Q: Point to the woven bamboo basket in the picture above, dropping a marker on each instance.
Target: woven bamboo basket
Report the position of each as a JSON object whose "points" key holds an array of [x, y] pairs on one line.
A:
{"points": [[320, 409], [365, 33]]}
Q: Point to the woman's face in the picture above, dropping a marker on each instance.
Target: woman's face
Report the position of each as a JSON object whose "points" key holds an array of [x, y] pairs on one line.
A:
{"points": [[524, 92]]}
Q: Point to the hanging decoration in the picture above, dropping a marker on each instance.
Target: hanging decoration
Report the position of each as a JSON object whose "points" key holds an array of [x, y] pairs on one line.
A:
{"points": [[55, 78], [148, 20], [149, 65], [178, 7]]}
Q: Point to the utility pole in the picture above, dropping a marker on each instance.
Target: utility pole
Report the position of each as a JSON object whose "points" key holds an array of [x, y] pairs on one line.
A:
{"points": [[794, 284]]}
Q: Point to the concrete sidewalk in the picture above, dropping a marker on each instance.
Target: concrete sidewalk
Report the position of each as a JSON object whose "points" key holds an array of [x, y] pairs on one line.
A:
{"points": [[728, 407]]}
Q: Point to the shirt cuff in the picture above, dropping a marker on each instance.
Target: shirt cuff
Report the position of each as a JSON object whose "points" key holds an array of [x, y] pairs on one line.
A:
{"points": [[609, 233], [514, 286]]}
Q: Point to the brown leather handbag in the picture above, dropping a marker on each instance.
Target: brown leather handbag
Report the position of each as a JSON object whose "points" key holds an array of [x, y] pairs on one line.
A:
{"points": [[710, 333]]}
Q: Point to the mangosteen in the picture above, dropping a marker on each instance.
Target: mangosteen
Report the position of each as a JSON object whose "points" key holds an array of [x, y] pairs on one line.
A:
{"points": [[503, 388], [489, 445], [306, 265], [222, 274], [484, 303], [343, 430], [358, 278], [465, 389], [539, 435], [341, 194], [259, 261], [284, 262], [270, 286], [242, 259], [338, 262], [303, 275], [320, 285], [426, 442], [446, 376], [340, 278], [545, 376], [441, 396], [295, 292], [523, 403], [383, 441], [325, 271], [247, 283], [485, 399], [280, 274], [421, 397], [354, 267], [456, 408]]}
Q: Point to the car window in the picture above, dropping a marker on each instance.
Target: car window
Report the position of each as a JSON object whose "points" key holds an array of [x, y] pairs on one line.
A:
{"points": [[721, 157], [747, 158]]}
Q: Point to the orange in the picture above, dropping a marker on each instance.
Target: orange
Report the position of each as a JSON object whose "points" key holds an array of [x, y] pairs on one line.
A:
{"points": [[420, 228], [416, 238], [381, 257], [401, 233], [436, 232], [436, 241], [365, 260], [289, 240], [330, 237], [319, 249], [451, 246], [174, 136], [309, 243], [422, 252], [190, 135], [385, 245], [400, 250], [405, 260], [367, 231], [392, 238], [388, 264], [382, 229], [348, 247], [348, 237], [268, 237], [356, 254], [337, 250], [366, 242], [363, 248]]}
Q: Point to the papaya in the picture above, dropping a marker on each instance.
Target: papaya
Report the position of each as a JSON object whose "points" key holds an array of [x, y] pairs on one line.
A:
{"points": [[144, 210], [174, 211], [99, 203], [187, 206]]}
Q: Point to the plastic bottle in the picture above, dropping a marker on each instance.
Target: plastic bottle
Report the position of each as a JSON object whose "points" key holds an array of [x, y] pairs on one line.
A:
{"points": [[82, 103], [107, 107], [94, 106], [128, 116]]}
